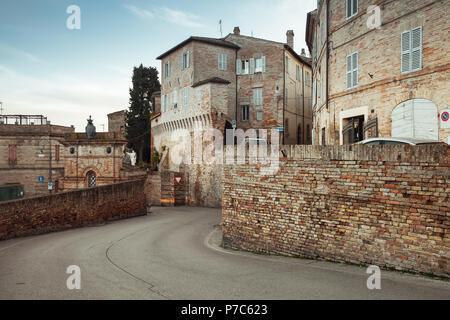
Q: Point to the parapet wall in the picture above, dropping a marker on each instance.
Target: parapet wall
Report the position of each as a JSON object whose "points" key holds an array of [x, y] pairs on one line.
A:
{"points": [[382, 205], [72, 209]]}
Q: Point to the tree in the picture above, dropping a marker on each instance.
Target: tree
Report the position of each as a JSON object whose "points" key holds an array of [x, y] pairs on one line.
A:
{"points": [[145, 82]]}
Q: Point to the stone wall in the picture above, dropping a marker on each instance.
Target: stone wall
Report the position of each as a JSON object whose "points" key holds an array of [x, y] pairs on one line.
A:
{"points": [[383, 205], [71, 209]]}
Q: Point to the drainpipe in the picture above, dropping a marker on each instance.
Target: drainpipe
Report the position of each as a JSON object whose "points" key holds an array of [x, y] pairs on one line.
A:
{"points": [[284, 95], [50, 155], [328, 57], [303, 107]]}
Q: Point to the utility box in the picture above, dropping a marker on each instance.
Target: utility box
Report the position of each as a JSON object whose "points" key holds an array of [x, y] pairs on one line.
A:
{"points": [[11, 192]]}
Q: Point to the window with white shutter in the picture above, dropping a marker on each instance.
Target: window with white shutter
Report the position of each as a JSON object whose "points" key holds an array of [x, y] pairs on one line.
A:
{"points": [[222, 61], [352, 8], [259, 115], [252, 66], [257, 97], [263, 61], [352, 70], [411, 43], [238, 66], [185, 96]]}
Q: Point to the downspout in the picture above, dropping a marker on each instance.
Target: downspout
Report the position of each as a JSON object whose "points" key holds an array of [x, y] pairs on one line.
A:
{"points": [[303, 107], [328, 57], [236, 95], [50, 160], [284, 95]]}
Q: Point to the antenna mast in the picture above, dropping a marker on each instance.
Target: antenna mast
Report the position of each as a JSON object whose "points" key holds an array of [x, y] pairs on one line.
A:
{"points": [[220, 26]]}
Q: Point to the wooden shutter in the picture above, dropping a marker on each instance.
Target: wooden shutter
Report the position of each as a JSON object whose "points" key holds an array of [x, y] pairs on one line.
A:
{"points": [[406, 51], [182, 61], [263, 59], [188, 59], [225, 62], [416, 49], [349, 71], [355, 69], [238, 66], [168, 68], [219, 61], [12, 153], [57, 152], [252, 65]]}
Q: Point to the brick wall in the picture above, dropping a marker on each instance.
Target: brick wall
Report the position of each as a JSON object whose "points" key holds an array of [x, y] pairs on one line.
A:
{"points": [[387, 206], [71, 209]]}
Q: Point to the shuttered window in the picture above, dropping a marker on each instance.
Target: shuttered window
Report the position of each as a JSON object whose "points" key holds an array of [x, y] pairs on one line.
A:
{"points": [[57, 152], [245, 113], [12, 153], [222, 61], [257, 97], [352, 8], [352, 70], [185, 60], [411, 50], [185, 96]]}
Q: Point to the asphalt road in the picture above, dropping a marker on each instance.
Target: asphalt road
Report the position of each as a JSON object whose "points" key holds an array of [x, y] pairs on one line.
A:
{"points": [[174, 253]]}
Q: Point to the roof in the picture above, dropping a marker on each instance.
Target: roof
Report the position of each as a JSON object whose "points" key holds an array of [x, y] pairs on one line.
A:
{"points": [[411, 141], [309, 34], [213, 41], [305, 60], [156, 115], [210, 80], [116, 113]]}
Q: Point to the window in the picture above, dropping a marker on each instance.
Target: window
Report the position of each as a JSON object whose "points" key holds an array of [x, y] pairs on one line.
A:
{"points": [[185, 60], [308, 132], [57, 152], [307, 79], [352, 70], [245, 113], [260, 64], [222, 61], [185, 96], [175, 99], [257, 97], [12, 153], [91, 179], [352, 8], [166, 71], [242, 66], [165, 103], [323, 137], [298, 74], [412, 50], [259, 115]]}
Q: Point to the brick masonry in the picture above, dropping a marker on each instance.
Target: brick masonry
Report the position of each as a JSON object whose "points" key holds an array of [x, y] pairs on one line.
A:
{"points": [[387, 206], [72, 209]]}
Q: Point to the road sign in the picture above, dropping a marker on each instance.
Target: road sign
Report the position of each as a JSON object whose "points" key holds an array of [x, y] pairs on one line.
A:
{"points": [[177, 179], [445, 119], [40, 179], [280, 129], [50, 186], [233, 124]]}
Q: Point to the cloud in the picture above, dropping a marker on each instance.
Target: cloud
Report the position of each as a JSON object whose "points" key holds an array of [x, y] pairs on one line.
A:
{"points": [[141, 13], [184, 19], [18, 53]]}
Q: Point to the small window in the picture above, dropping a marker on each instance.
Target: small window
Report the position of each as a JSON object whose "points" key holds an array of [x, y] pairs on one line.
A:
{"points": [[259, 65], [166, 71], [72, 150], [245, 113], [323, 137], [12, 153], [91, 179], [222, 61], [108, 150], [352, 8], [185, 60], [257, 97], [259, 115], [411, 42], [352, 70]]}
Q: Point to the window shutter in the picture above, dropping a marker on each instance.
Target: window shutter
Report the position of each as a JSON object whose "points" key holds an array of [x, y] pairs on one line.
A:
{"points": [[188, 59], [238, 66], [252, 66], [168, 68], [182, 61], [12, 152], [57, 152], [406, 51], [416, 49], [349, 71], [355, 7], [225, 62], [219, 61], [349, 8], [355, 69], [263, 63]]}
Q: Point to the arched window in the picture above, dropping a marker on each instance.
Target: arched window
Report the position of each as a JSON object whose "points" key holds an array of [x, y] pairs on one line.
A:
{"points": [[415, 118], [91, 179]]}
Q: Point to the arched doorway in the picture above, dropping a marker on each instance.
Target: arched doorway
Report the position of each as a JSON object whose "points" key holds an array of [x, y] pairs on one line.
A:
{"points": [[415, 118], [91, 179]]}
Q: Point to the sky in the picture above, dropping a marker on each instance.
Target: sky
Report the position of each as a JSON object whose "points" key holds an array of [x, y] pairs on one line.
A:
{"points": [[69, 74]]}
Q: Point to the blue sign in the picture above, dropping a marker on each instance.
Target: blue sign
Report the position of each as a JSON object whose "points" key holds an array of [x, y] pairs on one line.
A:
{"points": [[280, 129], [233, 123], [50, 186], [41, 179]]}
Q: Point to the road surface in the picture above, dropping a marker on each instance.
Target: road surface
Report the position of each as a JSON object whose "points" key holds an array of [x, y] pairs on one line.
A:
{"points": [[174, 253]]}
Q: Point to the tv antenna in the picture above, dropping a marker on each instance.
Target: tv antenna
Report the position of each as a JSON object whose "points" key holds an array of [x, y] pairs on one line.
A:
{"points": [[1, 107], [220, 26]]}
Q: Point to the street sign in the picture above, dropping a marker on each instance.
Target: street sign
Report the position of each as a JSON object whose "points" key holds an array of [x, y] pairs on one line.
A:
{"points": [[40, 179], [177, 179], [50, 186], [445, 119], [233, 124], [280, 129]]}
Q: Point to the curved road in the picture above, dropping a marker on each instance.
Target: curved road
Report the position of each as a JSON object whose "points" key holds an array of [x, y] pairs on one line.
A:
{"points": [[174, 253]]}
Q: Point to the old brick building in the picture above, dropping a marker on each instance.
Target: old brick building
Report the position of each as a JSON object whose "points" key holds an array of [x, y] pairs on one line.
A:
{"points": [[92, 160], [31, 153], [380, 70], [209, 83], [116, 121]]}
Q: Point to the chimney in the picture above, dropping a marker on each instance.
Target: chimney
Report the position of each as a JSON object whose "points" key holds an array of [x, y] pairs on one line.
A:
{"points": [[290, 38], [237, 31], [303, 54]]}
